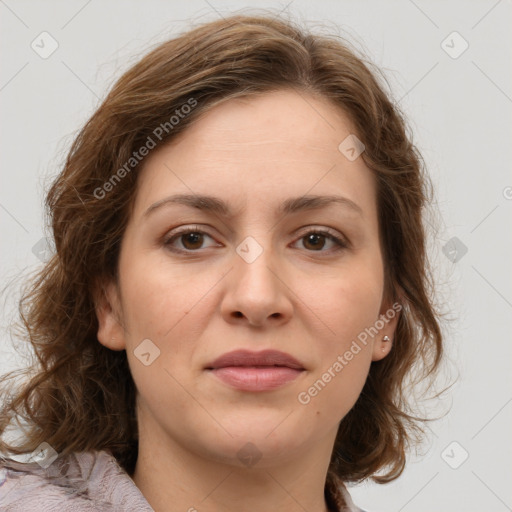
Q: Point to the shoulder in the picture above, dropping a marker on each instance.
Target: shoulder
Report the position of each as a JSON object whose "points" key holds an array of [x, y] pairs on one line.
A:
{"points": [[87, 481]]}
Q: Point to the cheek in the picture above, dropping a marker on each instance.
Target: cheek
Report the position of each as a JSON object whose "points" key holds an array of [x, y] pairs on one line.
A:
{"points": [[163, 304], [345, 303], [158, 298]]}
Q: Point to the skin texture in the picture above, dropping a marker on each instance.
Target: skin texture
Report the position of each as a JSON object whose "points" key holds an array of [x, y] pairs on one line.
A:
{"points": [[307, 298]]}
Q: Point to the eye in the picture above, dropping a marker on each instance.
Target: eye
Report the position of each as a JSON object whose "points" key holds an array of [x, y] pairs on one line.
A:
{"points": [[189, 239], [316, 239]]}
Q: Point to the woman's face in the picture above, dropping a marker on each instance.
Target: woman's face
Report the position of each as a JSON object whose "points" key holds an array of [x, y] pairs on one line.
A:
{"points": [[268, 264]]}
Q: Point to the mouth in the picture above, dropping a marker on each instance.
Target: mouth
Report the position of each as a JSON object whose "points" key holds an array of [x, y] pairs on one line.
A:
{"points": [[256, 371]]}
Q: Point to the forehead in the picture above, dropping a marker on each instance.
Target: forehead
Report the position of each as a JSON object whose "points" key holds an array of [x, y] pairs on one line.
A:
{"points": [[280, 143], [285, 117]]}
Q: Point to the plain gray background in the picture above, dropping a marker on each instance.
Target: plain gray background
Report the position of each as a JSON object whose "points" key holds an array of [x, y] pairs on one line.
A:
{"points": [[459, 106]]}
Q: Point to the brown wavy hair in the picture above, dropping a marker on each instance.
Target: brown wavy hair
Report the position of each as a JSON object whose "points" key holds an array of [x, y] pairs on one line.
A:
{"points": [[81, 395]]}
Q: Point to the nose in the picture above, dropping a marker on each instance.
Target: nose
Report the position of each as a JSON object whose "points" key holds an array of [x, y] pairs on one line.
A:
{"points": [[257, 293]]}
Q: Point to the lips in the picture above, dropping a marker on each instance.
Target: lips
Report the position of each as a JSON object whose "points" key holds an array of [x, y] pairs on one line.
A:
{"points": [[255, 371], [247, 358]]}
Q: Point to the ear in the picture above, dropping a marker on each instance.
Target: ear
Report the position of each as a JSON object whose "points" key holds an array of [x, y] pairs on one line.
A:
{"points": [[111, 332], [387, 322]]}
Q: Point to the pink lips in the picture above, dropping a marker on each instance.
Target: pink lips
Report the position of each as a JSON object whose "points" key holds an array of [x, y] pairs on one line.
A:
{"points": [[256, 371]]}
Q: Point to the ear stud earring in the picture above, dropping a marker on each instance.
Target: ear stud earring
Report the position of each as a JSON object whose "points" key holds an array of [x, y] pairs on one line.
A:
{"points": [[385, 339]]}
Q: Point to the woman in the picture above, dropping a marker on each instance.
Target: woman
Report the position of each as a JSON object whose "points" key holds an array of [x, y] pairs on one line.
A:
{"points": [[240, 288]]}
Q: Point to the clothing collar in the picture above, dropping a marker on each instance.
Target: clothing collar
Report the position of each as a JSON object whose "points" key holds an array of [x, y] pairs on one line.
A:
{"points": [[95, 481]]}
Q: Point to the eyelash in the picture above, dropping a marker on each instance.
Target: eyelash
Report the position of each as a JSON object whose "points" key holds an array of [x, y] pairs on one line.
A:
{"points": [[341, 243]]}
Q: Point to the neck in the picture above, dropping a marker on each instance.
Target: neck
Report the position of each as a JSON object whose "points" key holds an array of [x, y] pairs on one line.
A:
{"points": [[174, 478]]}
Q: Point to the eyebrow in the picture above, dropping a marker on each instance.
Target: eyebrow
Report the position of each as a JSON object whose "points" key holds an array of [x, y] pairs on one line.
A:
{"points": [[221, 208]]}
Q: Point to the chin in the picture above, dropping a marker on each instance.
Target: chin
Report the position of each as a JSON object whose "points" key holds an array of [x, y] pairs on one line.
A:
{"points": [[256, 442]]}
